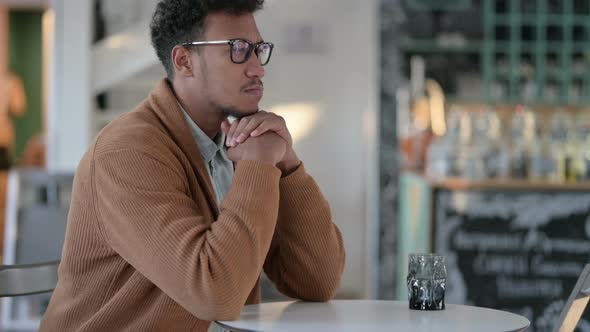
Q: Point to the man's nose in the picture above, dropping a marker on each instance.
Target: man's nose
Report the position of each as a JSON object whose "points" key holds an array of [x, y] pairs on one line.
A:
{"points": [[255, 69]]}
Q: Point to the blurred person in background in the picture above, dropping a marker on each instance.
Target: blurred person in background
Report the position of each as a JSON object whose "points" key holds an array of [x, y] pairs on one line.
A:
{"points": [[13, 102], [175, 211], [34, 154]]}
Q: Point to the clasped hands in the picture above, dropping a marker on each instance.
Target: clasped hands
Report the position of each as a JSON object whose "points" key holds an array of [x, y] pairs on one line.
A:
{"points": [[263, 136]]}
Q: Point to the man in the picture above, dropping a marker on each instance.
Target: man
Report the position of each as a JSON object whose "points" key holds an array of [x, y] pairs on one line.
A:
{"points": [[164, 234]]}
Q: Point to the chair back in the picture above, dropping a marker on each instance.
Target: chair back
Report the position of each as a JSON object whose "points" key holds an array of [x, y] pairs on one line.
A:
{"points": [[18, 280], [37, 205]]}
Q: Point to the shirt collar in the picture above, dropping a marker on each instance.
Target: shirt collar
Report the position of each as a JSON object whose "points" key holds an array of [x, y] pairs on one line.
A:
{"points": [[207, 146]]}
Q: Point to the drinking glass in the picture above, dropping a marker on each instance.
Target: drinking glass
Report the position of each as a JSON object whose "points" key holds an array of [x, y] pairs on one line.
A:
{"points": [[427, 276]]}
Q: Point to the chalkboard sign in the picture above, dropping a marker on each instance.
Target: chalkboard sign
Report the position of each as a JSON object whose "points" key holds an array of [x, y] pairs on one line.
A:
{"points": [[513, 250]]}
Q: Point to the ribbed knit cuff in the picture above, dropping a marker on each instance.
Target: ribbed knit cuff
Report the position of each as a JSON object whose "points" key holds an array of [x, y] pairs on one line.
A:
{"points": [[301, 203], [297, 186], [293, 180], [255, 185]]}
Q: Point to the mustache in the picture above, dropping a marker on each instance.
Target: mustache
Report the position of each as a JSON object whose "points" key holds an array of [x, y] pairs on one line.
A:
{"points": [[252, 84]]}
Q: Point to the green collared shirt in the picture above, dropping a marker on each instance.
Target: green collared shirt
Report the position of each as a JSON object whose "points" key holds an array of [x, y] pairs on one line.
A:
{"points": [[213, 152]]}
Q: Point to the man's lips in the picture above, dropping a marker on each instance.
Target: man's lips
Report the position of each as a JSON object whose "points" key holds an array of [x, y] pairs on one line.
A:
{"points": [[254, 90]]}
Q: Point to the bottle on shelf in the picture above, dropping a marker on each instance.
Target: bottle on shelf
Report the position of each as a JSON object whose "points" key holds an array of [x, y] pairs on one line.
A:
{"points": [[497, 155], [443, 152], [420, 113], [470, 164], [542, 165], [479, 147], [579, 166], [404, 127], [562, 145], [522, 136], [586, 156]]}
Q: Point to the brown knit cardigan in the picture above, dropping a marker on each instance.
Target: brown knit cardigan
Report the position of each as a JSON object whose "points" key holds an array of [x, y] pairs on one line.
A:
{"points": [[148, 249]]}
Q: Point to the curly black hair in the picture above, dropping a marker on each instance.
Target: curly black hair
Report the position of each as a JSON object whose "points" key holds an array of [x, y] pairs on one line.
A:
{"points": [[181, 21]]}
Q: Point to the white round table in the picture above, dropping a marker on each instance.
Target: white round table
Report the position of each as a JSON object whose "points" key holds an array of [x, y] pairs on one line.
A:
{"points": [[354, 316]]}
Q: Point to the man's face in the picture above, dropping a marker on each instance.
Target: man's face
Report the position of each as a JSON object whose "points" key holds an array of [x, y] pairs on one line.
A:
{"points": [[234, 89]]}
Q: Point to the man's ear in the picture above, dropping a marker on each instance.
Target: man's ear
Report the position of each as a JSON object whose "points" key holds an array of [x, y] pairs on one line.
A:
{"points": [[182, 61]]}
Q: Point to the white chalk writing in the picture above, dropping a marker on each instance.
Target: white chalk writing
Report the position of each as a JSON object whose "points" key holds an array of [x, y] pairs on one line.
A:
{"points": [[524, 211], [541, 267], [509, 288], [485, 241], [500, 264]]}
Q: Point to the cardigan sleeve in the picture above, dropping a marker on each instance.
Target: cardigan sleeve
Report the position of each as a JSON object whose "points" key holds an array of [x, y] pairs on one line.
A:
{"points": [[148, 217], [306, 258]]}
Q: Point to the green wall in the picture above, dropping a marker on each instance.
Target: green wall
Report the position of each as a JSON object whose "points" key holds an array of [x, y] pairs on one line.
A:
{"points": [[26, 61]]}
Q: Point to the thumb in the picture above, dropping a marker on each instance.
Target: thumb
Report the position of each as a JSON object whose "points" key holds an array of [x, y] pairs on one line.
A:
{"points": [[233, 154], [225, 126]]}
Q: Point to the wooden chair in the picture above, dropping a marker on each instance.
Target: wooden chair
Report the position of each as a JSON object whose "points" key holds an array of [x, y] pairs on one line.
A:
{"points": [[576, 304]]}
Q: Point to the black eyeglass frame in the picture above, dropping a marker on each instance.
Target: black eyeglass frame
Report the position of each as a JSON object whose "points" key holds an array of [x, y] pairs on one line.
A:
{"points": [[231, 42]]}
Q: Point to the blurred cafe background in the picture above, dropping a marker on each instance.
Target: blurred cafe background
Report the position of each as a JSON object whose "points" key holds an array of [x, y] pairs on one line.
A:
{"points": [[460, 127]]}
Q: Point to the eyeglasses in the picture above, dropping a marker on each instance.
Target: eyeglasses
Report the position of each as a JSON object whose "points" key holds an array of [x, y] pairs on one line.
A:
{"points": [[241, 49]]}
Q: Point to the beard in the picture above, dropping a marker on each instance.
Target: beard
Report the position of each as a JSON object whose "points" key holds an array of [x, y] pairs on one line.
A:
{"points": [[227, 111], [235, 112]]}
